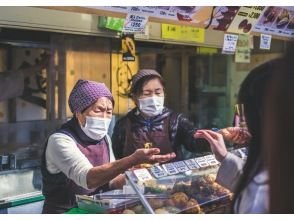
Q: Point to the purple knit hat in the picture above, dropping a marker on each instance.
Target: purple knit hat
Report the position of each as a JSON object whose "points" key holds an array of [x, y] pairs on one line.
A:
{"points": [[85, 93]]}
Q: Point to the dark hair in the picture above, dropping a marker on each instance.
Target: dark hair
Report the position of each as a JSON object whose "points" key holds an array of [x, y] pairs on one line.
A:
{"points": [[137, 88], [278, 136], [252, 94]]}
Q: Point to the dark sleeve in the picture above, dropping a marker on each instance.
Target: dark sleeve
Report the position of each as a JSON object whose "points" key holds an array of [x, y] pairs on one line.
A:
{"points": [[118, 138], [185, 136]]}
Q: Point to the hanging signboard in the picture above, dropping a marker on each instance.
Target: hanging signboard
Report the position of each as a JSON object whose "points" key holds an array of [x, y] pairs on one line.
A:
{"points": [[276, 20], [242, 54], [128, 47], [230, 43], [246, 19], [201, 16], [182, 33], [223, 16], [265, 41], [135, 23]]}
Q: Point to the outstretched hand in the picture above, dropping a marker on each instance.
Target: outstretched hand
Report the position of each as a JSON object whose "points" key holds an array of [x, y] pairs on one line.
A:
{"points": [[151, 156], [216, 142]]}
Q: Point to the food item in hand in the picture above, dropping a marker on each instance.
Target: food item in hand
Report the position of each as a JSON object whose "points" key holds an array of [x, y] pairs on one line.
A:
{"points": [[161, 211], [180, 199], [192, 207], [156, 203], [128, 211]]}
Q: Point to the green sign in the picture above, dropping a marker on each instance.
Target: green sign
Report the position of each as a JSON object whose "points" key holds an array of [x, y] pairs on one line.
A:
{"points": [[112, 23]]}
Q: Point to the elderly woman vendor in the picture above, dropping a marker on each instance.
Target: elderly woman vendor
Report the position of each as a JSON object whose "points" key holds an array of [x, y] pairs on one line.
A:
{"points": [[78, 158]]}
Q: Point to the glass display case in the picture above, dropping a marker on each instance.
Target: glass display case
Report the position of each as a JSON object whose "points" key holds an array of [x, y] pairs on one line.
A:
{"points": [[179, 187]]}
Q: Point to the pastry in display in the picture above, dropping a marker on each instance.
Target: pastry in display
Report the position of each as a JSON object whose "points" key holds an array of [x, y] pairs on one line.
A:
{"points": [[138, 209], [180, 199], [161, 211], [182, 187], [128, 211], [156, 203], [172, 209], [192, 207], [210, 178], [169, 202]]}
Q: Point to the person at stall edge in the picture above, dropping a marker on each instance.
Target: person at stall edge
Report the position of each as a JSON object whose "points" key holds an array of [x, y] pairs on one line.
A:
{"points": [[151, 122], [78, 158], [249, 180], [278, 135]]}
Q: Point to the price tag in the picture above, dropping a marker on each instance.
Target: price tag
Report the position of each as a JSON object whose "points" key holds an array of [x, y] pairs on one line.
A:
{"points": [[230, 43], [265, 41], [143, 174], [135, 23], [181, 166], [158, 171], [191, 163], [212, 162], [209, 157], [170, 168], [201, 162]]}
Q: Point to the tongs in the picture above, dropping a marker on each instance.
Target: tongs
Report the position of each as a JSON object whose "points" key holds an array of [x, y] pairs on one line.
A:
{"points": [[131, 196]]}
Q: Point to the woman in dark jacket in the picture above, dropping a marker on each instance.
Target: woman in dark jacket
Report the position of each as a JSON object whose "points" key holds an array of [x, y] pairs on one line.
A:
{"points": [[151, 122]]}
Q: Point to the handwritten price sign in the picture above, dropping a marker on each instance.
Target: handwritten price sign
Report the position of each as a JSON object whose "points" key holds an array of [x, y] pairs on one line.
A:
{"points": [[135, 23]]}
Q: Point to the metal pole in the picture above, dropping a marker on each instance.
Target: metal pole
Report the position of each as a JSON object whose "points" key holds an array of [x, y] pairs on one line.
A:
{"points": [[141, 196]]}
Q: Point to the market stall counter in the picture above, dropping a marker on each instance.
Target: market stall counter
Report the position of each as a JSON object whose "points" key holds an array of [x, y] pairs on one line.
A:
{"points": [[180, 187]]}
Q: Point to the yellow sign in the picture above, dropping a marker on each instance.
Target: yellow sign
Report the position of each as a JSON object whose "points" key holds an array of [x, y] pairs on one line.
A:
{"points": [[206, 50], [182, 33]]}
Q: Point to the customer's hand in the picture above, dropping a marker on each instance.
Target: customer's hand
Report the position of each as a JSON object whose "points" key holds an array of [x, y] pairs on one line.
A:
{"points": [[236, 135], [151, 156], [216, 142]]}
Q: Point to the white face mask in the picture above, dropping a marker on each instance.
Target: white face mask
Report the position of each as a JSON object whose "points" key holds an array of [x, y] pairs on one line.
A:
{"points": [[151, 106], [96, 128]]}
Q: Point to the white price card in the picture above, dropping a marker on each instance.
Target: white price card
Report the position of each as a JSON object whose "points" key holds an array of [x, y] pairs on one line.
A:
{"points": [[143, 174], [191, 163], [170, 168], [181, 166], [212, 162], [158, 171], [209, 157], [230, 43], [265, 41], [201, 162], [135, 23]]}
